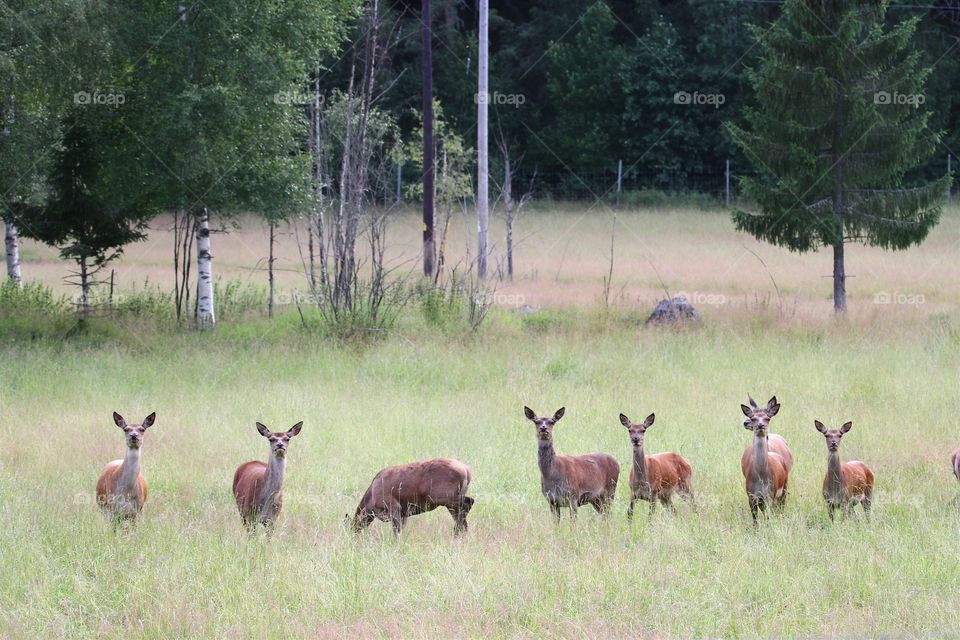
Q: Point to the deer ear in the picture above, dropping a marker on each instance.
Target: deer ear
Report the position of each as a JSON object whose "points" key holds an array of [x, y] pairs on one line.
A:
{"points": [[559, 413], [753, 403], [625, 421], [148, 422], [527, 411], [846, 427], [118, 420], [773, 406], [747, 425], [649, 420], [819, 426], [263, 430], [295, 429], [746, 410]]}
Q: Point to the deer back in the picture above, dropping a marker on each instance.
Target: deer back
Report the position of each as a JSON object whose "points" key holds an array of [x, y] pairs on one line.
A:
{"points": [[247, 482], [592, 473]]}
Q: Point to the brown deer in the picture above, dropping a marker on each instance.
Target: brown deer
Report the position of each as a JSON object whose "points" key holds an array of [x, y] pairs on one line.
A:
{"points": [[572, 481], [405, 490], [846, 484], [767, 462], [258, 487], [655, 477], [121, 489]]}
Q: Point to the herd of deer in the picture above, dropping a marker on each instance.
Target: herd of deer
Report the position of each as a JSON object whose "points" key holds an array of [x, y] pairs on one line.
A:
{"points": [[566, 481]]}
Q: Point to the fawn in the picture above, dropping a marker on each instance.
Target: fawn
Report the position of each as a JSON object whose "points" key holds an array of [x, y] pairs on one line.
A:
{"points": [[418, 487], [572, 481], [655, 477], [846, 484], [258, 487], [121, 489], [767, 462]]}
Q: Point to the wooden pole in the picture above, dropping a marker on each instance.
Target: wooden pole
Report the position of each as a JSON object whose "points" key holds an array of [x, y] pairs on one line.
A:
{"points": [[429, 251]]}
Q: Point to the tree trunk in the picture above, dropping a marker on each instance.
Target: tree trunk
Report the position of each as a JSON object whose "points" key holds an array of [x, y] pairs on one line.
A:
{"points": [[483, 204], [270, 272], [508, 206], [205, 315], [839, 279], [84, 287], [13, 254], [429, 250]]}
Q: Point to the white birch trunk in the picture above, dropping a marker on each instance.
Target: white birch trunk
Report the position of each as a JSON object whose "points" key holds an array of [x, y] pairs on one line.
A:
{"points": [[13, 254], [205, 315], [483, 95]]}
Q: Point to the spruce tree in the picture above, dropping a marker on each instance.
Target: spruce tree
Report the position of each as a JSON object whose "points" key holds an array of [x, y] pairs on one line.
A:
{"points": [[838, 124]]}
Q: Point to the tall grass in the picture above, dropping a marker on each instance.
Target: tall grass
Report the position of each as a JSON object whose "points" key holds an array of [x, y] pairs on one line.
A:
{"points": [[188, 569]]}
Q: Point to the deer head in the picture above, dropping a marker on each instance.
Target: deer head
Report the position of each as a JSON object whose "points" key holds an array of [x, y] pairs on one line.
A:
{"points": [[758, 420], [637, 431], [279, 439], [134, 432], [833, 435], [544, 425]]}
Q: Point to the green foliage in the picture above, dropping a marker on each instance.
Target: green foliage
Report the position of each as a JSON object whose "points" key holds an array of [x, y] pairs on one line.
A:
{"points": [[836, 126]]}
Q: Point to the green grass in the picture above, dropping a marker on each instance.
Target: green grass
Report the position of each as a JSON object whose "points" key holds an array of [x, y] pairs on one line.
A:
{"points": [[188, 570]]}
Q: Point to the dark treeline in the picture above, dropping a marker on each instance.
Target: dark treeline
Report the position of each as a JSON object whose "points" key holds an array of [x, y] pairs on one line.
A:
{"points": [[578, 84]]}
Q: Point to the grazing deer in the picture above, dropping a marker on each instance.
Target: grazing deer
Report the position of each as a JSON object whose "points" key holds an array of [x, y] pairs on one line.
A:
{"points": [[121, 489], [258, 487], [846, 484], [767, 462], [655, 477], [405, 490], [572, 481]]}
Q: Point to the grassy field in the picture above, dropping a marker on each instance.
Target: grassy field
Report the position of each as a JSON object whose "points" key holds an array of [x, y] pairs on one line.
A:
{"points": [[188, 570]]}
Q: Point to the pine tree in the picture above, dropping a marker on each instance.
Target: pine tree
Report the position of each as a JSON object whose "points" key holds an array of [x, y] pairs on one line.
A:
{"points": [[838, 125]]}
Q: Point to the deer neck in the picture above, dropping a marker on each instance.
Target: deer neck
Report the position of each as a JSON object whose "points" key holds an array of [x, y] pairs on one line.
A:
{"points": [[760, 469], [129, 471], [640, 466], [273, 483], [545, 456], [834, 475]]}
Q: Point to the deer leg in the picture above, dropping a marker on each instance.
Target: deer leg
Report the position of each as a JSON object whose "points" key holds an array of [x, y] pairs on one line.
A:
{"points": [[653, 505], [830, 509], [687, 495], [754, 508], [630, 508], [555, 509], [459, 520], [397, 518]]}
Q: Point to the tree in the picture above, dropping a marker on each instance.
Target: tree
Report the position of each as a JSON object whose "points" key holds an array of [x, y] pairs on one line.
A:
{"points": [[837, 125], [483, 151], [215, 117], [88, 227]]}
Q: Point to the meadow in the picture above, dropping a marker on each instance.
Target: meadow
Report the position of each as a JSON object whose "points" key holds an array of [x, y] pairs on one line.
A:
{"points": [[188, 569]]}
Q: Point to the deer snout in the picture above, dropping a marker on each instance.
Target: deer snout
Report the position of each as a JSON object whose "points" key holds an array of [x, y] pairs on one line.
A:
{"points": [[635, 441]]}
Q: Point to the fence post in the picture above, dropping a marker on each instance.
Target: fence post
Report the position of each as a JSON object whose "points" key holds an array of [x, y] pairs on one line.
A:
{"points": [[619, 179], [726, 176], [949, 184], [399, 171]]}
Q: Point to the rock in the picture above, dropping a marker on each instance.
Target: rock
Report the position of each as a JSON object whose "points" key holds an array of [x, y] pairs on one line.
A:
{"points": [[675, 311]]}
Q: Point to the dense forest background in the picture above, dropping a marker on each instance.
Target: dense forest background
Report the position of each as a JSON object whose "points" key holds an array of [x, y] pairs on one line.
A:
{"points": [[579, 85]]}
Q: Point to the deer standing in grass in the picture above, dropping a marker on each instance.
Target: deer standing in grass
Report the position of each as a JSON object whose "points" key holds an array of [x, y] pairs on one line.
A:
{"points": [[121, 489], [572, 481], [258, 487], [405, 490], [846, 484], [767, 462], [655, 477]]}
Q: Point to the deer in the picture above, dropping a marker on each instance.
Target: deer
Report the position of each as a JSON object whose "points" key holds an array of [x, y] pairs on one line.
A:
{"points": [[572, 481], [766, 463], [955, 463], [656, 477], [258, 487], [121, 489], [405, 490], [846, 484]]}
